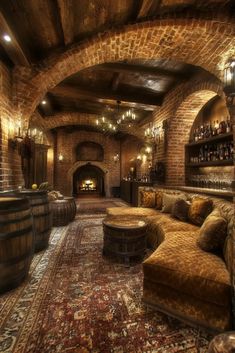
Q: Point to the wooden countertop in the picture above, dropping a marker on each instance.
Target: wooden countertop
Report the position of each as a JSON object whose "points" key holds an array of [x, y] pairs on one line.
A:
{"points": [[215, 192]]}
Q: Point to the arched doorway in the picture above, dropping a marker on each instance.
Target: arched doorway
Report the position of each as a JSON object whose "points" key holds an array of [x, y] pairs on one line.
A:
{"points": [[88, 180]]}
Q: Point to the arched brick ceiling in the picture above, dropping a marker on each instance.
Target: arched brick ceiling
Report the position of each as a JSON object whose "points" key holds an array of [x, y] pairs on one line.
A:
{"points": [[41, 27]]}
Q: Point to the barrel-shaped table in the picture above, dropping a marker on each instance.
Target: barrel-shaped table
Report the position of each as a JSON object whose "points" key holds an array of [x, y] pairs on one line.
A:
{"points": [[41, 216], [73, 207], [124, 238], [16, 241], [63, 211]]}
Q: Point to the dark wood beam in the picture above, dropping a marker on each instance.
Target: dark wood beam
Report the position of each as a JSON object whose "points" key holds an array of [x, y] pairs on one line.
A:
{"points": [[149, 8], [65, 8], [136, 7], [141, 69], [115, 81], [13, 49], [76, 92]]}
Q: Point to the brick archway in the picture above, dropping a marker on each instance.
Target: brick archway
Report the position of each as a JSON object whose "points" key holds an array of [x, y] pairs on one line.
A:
{"points": [[179, 130], [187, 40], [101, 165]]}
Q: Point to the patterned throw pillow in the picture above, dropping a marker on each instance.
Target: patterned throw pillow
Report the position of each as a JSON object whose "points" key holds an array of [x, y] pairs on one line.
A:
{"points": [[159, 200], [180, 210], [168, 201], [199, 209], [147, 199], [213, 233]]}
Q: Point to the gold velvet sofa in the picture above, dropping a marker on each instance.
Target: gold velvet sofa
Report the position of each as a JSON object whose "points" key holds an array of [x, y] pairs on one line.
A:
{"points": [[180, 279]]}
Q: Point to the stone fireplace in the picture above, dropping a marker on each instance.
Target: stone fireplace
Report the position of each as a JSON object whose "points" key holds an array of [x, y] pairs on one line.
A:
{"points": [[88, 180]]}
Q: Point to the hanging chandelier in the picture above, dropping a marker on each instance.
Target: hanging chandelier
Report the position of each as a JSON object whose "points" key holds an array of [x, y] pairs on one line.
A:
{"points": [[106, 125], [126, 118]]}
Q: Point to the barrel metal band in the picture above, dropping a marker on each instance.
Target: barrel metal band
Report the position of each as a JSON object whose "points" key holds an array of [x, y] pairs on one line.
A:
{"points": [[16, 233], [16, 220]]}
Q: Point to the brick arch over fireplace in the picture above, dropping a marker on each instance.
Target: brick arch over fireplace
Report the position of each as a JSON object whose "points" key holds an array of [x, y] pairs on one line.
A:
{"points": [[101, 165], [179, 130], [190, 41]]}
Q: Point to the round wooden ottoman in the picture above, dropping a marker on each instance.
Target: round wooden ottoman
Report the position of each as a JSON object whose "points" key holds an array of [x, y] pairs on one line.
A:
{"points": [[124, 238], [223, 343]]}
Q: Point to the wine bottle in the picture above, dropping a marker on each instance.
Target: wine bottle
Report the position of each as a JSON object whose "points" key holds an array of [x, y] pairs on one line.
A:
{"points": [[228, 126]]}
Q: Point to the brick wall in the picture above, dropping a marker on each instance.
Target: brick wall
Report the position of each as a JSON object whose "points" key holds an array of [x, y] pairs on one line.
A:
{"points": [[179, 109], [10, 162], [66, 144]]}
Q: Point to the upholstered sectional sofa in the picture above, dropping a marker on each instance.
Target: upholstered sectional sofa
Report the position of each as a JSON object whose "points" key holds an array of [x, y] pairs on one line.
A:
{"points": [[180, 278]]}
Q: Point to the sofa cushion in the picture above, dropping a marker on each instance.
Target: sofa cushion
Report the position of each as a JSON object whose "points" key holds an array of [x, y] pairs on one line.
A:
{"points": [[158, 200], [213, 233], [147, 199], [180, 210], [161, 225], [168, 201], [181, 265], [199, 209], [131, 211]]}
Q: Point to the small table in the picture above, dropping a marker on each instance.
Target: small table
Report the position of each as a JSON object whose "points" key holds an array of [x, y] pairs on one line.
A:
{"points": [[124, 238], [223, 343]]}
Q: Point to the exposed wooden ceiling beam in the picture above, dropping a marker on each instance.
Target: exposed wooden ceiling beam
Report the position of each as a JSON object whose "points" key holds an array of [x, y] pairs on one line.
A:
{"points": [[115, 80], [76, 92], [66, 17], [141, 69], [13, 48], [149, 8], [137, 5]]}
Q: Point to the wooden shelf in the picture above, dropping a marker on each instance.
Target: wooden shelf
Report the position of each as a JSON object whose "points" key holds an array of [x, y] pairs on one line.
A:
{"points": [[211, 139], [211, 163]]}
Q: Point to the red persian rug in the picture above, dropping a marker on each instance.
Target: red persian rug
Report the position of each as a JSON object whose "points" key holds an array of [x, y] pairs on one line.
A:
{"points": [[76, 301]]}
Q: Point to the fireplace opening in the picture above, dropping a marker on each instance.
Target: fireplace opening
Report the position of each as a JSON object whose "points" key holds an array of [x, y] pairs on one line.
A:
{"points": [[88, 180]]}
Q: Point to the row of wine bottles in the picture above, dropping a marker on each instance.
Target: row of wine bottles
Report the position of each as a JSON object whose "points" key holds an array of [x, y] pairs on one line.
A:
{"points": [[208, 130], [215, 152]]}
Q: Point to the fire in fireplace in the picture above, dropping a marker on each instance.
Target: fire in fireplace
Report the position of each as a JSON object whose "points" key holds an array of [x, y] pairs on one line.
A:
{"points": [[88, 180], [88, 185]]}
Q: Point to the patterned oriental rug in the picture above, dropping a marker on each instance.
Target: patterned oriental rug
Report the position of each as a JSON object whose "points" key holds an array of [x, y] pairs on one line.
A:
{"points": [[76, 301]]}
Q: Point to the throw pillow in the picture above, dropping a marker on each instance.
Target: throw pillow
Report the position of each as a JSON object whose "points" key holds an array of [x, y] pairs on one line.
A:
{"points": [[147, 199], [158, 200], [180, 210], [212, 234], [168, 201], [199, 210]]}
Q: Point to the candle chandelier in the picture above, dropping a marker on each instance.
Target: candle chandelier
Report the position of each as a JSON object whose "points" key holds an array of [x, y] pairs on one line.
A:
{"points": [[105, 125], [121, 120]]}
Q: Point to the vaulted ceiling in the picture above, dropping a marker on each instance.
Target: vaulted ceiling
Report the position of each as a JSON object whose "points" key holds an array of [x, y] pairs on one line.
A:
{"points": [[42, 26], [39, 28]]}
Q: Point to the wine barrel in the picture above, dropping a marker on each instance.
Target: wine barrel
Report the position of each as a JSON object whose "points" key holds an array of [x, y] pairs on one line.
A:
{"points": [[16, 241], [62, 212], [41, 216], [73, 207]]}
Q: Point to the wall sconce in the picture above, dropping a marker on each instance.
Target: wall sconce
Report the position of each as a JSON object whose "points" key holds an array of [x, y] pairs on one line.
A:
{"points": [[139, 158], [153, 133], [229, 77], [17, 135], [60, 157], [116, 158]]}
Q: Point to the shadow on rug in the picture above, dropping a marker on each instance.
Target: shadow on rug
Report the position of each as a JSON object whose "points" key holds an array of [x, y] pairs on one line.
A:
{"points": [[76, 301]]}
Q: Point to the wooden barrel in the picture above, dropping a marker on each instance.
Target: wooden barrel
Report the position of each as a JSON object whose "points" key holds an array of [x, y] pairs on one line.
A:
{"points": [[61, 212], [41, 216], [16, 241], [73, 207]]}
